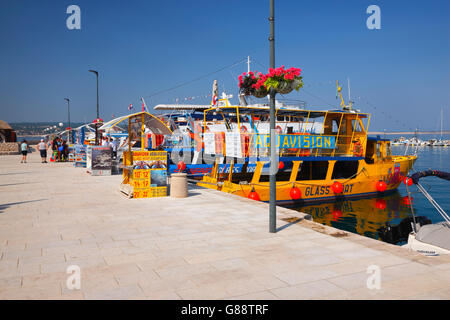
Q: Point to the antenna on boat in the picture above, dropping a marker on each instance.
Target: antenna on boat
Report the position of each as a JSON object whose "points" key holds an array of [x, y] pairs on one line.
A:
{"points": [[344, 107]]}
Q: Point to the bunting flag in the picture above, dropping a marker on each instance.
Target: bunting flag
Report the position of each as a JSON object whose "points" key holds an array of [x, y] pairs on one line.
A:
{"points": [[130, 107]]}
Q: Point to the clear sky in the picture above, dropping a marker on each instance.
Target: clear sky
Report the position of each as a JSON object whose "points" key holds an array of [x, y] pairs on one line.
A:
{"points": [[400, 73]]}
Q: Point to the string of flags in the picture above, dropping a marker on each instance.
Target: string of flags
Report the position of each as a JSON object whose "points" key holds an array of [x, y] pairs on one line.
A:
{"points": [[206, 96]]}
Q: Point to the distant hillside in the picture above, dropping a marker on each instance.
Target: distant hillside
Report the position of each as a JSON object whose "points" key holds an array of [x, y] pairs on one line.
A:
{"points": [[37, 128]]}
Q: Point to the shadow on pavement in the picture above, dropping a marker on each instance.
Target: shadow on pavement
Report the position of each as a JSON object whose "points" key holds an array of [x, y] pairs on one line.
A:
{"points": [[7, 205]]}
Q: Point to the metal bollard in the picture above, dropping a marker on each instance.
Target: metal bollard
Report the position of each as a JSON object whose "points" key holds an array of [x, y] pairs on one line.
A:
{"points": [[178, 185]]}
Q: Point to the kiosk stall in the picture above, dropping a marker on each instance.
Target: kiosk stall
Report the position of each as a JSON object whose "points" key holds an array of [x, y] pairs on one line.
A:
{"points": [[144, 169]]}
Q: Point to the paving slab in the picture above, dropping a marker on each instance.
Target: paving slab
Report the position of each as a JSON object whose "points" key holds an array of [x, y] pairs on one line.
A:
{"points": [[210, 245]]}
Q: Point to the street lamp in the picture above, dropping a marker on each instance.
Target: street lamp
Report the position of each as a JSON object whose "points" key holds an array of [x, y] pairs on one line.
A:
{"points": [[98, 116], [68, 115], [273, 154]]}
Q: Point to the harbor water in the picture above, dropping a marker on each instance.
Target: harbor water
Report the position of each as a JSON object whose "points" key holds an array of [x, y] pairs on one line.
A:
{"points": [[389, 218]]}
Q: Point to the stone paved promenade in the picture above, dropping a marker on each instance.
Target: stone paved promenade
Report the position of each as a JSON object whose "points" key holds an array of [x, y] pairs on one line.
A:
{"points": [[207, 246]]}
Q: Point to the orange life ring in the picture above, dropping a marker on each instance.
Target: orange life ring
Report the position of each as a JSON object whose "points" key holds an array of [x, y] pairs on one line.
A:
{"points": [[243, 129], [357, 149], [278, 128]]}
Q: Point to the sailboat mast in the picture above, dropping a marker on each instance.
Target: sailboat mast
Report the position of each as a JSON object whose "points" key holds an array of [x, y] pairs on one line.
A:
{"points": [[442, 117]]}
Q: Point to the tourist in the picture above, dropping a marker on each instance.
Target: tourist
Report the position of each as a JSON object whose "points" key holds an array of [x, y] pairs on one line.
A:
{"points": [[65, 150], [60, 150], [42, 147], [24, 149], [113, 146], [105, 142], [55, 148]]}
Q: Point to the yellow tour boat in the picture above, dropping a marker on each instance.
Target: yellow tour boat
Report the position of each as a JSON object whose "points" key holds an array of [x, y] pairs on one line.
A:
{"points": [[323, 156]]}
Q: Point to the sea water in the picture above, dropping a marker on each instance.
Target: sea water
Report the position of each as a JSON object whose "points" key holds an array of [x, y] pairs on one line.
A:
{"points": [[389, 218]]}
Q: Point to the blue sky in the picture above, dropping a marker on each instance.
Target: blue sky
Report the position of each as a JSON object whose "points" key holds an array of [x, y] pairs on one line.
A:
{"points": [[400, 74]]}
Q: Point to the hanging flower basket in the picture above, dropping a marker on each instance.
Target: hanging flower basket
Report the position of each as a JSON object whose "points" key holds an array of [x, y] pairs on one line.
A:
{"points": [[246, 83], [283, 81], [258, 84], [297, 83], [261, 92], [284, 87]]}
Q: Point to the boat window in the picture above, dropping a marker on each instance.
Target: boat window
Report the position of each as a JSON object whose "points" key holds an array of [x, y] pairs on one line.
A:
{"points": [[280, 118], [282, 175], [313, 170], [335, 128], [357, 127], [379, 151], [370, 150], [345, 169]]}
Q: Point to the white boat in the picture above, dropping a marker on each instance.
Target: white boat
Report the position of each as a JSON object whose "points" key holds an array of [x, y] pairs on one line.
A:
{"points": [[430, 239]]}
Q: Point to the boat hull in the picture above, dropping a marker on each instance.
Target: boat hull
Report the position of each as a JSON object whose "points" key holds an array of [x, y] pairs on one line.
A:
{"points": [[364, 184]]}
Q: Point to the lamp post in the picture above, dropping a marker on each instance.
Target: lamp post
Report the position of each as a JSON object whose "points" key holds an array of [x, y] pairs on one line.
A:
{"points": [[68, 115], [273, 153], [98, 116]]}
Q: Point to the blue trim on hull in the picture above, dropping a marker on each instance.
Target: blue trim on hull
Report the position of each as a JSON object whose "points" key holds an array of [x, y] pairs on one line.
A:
{"points": [[335, 198]]}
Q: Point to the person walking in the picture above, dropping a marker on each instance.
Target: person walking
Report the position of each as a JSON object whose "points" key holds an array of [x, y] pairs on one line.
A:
{"points": [[113, 146], [24, 150], [42, 147]]}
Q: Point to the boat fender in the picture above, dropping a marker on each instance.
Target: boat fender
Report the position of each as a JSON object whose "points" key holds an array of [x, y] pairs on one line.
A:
{"points": [[337, 187], [253, 195], [295, 193], [381, 186], [408, 181]]}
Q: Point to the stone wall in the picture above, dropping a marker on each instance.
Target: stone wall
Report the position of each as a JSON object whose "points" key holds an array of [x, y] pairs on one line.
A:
{"points": [[9, 148]]}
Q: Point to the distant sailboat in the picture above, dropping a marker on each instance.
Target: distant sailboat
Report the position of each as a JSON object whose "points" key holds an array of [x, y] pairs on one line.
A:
{"points": [[440, 142]]}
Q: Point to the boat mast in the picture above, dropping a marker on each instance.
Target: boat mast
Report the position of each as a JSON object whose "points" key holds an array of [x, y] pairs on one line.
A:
{"points": [[442, 117], [144, 105], [349, 99], [248, 64]]}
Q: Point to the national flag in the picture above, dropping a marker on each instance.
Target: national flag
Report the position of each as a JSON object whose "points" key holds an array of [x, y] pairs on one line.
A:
{"points": [[130, 107], [214, 100]]}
